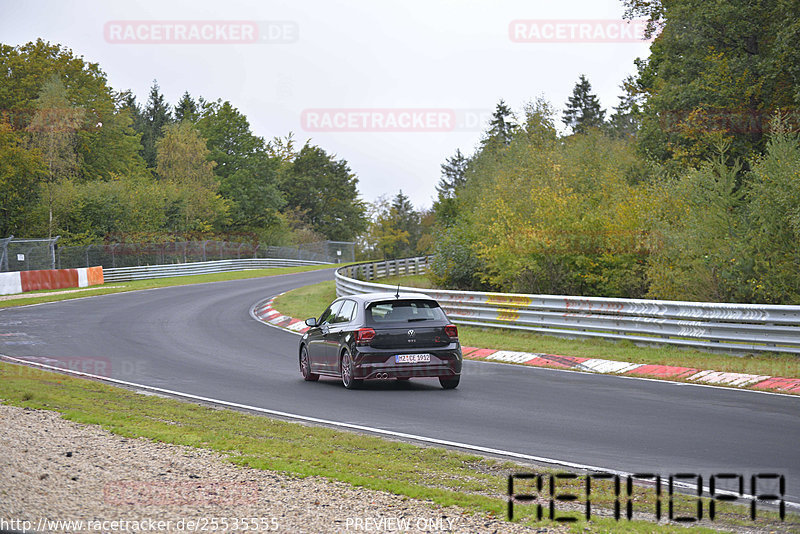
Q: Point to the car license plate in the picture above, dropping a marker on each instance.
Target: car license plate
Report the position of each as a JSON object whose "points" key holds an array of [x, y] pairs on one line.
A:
{"points": [[412, 358]]}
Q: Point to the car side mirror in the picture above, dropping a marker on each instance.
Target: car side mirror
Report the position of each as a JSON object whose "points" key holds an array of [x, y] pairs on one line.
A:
{"points": [[312, 322]]}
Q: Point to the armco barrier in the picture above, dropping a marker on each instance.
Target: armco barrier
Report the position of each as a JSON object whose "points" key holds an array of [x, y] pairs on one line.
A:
{"points": [[23, 281], [704, 325], [147, 272]]}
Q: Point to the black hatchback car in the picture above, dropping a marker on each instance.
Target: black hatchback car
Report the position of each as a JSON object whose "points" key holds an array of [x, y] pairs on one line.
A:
{"points": [[381, 336]]}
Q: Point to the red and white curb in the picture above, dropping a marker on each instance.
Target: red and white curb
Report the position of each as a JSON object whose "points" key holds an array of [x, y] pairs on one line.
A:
{"points": [[596, 365], [264, 312]]}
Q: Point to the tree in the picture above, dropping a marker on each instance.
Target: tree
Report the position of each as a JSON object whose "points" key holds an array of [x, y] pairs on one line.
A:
{"points": [[716, 72], [625, 120], [384, 236], [186, 108], [454, 175], [325, 192], [248, 175], [155, 116], [702, 256], [501, 127], [52, 132], [282, 148], [774, 220], [583, 109], [105, 144], [408, 221], [19, 168], [182, 165]]}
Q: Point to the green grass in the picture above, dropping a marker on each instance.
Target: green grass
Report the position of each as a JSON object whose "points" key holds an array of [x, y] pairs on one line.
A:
{"points": [[311, 301], [306, 301], [441, 476], [121, 287]]}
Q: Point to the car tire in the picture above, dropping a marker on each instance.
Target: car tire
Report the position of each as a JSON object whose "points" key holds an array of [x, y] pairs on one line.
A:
{"points": [[346, 370], [448, 382], [305, 366]]}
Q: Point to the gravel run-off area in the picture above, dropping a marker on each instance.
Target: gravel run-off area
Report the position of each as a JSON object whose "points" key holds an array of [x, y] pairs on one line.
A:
{"points": [[54, 470]]}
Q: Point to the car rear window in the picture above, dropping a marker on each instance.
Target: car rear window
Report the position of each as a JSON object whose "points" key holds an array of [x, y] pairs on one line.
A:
{"points": [[405, 311]]}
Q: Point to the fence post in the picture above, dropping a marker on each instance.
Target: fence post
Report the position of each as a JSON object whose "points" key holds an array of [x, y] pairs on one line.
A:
{"points": [[53, 250]]}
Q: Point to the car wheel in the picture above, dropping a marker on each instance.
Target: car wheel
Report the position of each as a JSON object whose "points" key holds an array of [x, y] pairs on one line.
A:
{"points": [[449, 382], [305, 367], [347, 371]]}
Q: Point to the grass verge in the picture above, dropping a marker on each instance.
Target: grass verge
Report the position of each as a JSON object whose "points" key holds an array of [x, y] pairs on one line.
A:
{"points": [[53, 295], [445, 477], [310, 301]]}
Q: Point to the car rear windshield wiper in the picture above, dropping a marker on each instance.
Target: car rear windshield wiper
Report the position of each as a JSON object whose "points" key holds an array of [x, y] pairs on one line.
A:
{"points": [[417, 319]]}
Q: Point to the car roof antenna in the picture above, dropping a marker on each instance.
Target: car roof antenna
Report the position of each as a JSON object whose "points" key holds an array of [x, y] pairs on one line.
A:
{"points": [[397, 295]]}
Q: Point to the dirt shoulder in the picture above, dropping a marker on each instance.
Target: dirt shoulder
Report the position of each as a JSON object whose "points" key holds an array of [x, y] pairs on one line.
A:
{"points": [[58, 470]]}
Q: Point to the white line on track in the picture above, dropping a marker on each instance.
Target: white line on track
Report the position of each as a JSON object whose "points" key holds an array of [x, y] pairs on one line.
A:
{"points": [[361, 428]]}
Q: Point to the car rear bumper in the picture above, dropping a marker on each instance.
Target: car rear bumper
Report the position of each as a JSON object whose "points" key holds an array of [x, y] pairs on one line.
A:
{"points": [[381, 364]]}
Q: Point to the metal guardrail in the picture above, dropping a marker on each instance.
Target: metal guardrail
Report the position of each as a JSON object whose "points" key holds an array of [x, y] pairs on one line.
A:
{"points": [[703, 325], [147, 272]]}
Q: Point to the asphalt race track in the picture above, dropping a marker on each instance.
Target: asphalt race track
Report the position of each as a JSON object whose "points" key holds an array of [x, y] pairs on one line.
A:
{"points": [[200, 339]]}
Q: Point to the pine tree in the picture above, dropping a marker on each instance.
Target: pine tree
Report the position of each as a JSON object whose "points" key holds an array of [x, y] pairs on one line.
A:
{"points": [[454, 175], [624, 122], [127, 103], [501, 127], [408, 220], [186, 108], [155, 116], [583, 108]]}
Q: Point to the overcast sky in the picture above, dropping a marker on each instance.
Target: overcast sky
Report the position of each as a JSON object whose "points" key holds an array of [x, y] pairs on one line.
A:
{"points": [[392, 87]]}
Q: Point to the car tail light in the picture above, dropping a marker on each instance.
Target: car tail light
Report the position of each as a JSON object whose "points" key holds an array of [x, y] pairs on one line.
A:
{"points": [[364, 336], [452, 331]]}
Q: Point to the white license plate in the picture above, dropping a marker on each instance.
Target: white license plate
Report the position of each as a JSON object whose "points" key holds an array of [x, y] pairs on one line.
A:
{"points": [[412, 358]]}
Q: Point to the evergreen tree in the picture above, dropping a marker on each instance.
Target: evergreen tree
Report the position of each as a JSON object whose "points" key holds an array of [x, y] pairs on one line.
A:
{"points": [[454, 175], [128, 104], [186, 108], [155, 116], [624, 122], [501, 127], [583, 108], [408, 220]]}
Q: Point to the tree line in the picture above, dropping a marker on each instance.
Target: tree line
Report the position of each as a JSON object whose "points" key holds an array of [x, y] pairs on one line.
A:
{"points": [[89, 163], [689, 189]]}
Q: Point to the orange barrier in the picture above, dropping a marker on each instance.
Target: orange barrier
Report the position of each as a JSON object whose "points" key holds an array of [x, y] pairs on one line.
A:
{"points": [[95, 276], [59, 278]]}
